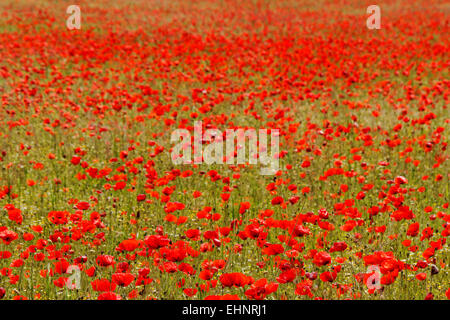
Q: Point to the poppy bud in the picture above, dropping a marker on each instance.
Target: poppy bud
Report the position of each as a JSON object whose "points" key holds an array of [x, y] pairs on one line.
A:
{"points": [[434, 269]]}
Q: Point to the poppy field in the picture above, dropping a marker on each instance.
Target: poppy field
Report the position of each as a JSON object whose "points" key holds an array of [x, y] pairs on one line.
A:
{"points": [[92, 205]]}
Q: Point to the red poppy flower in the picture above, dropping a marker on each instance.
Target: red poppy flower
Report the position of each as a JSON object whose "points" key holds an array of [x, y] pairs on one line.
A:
{"points": [[8, 236], [260, 289], [321, 258], [129, 245], [287, 276], [235, 279], [109, 296], [273, 249], [304, 288], [103, 285], [105, 260], [413, 229], [122, 279]]}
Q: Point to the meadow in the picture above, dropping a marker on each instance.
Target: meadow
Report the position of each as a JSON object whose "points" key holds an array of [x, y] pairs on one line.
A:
{"points": [[93, 207]]}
